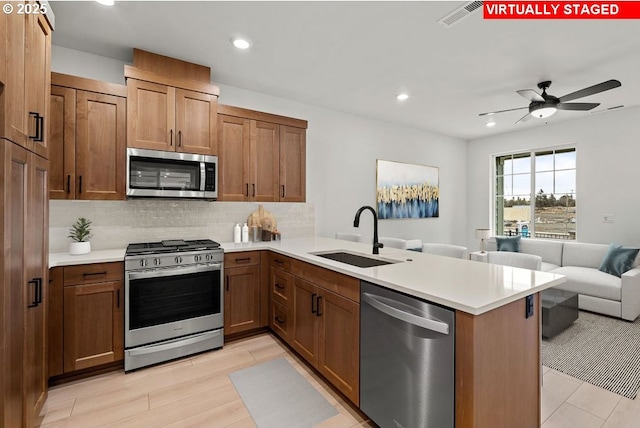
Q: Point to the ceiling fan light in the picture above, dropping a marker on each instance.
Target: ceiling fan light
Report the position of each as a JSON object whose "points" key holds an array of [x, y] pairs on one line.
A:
{"points": [[240, 42], [544, 112]]}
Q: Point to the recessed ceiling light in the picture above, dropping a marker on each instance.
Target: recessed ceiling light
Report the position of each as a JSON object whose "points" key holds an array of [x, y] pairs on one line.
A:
{"points": [[402, 97], [240, 43], [490, 124], [106, 2]]}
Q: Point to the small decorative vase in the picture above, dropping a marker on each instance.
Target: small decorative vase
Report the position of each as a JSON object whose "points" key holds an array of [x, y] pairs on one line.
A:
{"points": [[78, 248]]}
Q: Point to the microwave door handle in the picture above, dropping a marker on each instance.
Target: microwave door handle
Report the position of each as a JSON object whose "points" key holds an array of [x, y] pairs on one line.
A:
{"points": [[173, 272], [203, 176]]}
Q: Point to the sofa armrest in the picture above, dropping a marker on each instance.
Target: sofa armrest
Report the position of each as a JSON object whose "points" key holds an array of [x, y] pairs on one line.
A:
{"points": [[631, 294]]}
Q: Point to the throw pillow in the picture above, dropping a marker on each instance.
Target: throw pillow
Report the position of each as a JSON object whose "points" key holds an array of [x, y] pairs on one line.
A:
{"points": [[508, 243], [618, 259]]}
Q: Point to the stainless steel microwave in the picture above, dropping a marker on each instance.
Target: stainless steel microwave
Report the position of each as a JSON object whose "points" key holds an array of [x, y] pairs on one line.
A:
{"points": [[155, 173]]}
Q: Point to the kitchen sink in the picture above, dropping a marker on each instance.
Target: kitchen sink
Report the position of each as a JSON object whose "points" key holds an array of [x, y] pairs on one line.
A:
{"points": [[354, 259]]}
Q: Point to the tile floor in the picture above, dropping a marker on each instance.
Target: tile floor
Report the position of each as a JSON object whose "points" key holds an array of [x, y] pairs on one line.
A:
{"points": [[197, 392]]}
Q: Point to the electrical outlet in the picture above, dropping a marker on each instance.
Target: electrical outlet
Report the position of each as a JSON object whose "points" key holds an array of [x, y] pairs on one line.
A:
{"points": [[607, 218]]}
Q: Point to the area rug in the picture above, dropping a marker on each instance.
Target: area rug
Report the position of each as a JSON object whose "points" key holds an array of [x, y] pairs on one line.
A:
{"points": [[599, 350], [277, 396]]}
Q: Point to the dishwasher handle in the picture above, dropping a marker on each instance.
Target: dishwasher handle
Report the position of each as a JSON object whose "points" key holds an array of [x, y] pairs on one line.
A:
{"points": [[407, 317]]}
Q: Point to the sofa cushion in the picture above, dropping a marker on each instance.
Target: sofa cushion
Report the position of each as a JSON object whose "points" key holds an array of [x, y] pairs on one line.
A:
{"points": [[550, 251], [546, 267], [584, 255], [618, 259], [589, 281], [508, 243]]}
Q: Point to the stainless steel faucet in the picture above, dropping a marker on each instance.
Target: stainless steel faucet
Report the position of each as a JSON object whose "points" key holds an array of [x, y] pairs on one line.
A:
{"points": [[356, 223]]}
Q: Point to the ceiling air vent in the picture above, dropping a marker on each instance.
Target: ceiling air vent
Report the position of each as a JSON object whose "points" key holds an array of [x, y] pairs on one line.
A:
{"points": [[458, 14]]}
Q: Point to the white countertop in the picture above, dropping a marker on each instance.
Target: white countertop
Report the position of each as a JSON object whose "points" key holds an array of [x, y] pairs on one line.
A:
{"points": [[469, 286]]}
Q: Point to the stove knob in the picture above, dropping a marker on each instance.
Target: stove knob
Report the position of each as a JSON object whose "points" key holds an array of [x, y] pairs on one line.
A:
{"points": [[178, 259], [197, 258], [208, 257], [157, 262], [143, 262]]}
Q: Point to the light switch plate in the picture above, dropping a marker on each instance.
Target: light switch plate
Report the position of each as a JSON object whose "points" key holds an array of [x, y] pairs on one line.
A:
{"points": [[607, 218]]}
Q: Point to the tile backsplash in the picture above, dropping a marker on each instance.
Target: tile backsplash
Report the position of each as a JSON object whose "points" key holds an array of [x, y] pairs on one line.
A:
{"points": [[115, 224]]}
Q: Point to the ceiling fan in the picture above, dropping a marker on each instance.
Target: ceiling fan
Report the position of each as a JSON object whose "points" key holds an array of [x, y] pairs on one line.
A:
{"points": [[544, 105]]}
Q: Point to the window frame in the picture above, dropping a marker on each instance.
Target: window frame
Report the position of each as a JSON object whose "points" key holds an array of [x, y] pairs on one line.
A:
{"points": [[531, 153]]}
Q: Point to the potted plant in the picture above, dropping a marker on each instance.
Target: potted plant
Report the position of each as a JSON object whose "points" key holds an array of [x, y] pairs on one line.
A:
{"points": [[80, 232]]}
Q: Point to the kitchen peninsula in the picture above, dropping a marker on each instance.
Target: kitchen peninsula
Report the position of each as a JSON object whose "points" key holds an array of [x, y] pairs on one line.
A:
{"points": [[497, 348]]}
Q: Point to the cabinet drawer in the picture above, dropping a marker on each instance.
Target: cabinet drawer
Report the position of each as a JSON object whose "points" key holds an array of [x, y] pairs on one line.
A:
{"points": [[281, 284], [340, 284], [245, 258], [93, 273], [279, 261], [280, 322]]}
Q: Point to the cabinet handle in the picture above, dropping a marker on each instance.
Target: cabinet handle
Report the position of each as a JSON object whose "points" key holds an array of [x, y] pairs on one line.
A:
{"points": [[227, 282], [282, 190], [36, 116], [39, 295], [278, 261], [281, 287], [243, 260], [313, 299], [94, 273], [171, 137], [179, 138], [69, 183], [254, 189], [80, 184], [318, 313], [40, 129], [118, 298], [279, 320], [35, 293], [247, 189]]}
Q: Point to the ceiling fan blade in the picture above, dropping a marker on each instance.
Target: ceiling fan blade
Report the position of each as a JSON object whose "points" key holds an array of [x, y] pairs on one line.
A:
{"points": [[600, 87], [577, 106], [530, 94], [501, 111], [524, 118]]}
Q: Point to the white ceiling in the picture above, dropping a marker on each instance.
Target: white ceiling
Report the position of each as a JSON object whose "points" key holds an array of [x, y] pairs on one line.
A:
{"points": [[356, 56]]}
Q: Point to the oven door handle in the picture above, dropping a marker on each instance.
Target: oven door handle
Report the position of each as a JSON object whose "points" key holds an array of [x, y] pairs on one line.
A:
{"points": [[175, 271]]}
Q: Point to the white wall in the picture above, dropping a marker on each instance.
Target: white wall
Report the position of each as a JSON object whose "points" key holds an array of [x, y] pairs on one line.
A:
{"points": [[608, 172], [341, 157]]}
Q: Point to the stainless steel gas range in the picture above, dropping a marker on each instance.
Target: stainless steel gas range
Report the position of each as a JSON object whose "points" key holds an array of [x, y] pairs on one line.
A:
{"points": [[173, 300]]}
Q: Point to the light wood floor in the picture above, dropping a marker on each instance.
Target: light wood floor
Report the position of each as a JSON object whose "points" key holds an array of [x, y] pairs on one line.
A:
{"points": [[191, 392]]}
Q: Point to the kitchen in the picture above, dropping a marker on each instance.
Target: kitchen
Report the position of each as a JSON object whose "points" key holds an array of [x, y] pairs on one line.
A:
{"points": [[140, 218]]}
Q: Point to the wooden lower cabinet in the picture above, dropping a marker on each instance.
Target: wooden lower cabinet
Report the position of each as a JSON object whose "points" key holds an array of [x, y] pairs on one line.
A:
{"points": [[242, 292], [86, 317]]}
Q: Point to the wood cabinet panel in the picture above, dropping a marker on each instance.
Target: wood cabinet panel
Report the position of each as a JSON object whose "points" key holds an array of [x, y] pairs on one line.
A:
{"points": [[100, 146], [234, 161], [281, 287], [280, 321], [242, 299], [305, 331], [93, 325], [13, 93], [56, 317], [279, 261], [338, 283], [339, 349], [62, 140], [292, 164], [196, 122], [244, 258], [264, 161], [150, 115], [93, 273]]}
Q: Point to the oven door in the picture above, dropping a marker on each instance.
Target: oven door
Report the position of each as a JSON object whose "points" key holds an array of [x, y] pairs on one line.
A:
{"points": [[163, 304]]}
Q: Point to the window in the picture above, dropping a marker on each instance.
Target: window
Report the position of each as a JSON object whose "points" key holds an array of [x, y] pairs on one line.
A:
{"points": [[536, 194]]}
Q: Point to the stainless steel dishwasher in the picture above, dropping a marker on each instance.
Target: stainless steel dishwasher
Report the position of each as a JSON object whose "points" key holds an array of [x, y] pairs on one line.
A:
{"points": [[406, 360]]}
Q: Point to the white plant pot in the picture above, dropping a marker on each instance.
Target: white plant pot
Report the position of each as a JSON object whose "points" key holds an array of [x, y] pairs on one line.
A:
{"points": [[77, 248]]}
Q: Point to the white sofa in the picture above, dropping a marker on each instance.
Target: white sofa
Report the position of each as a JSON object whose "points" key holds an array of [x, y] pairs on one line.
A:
{"points": [[597, 291]]}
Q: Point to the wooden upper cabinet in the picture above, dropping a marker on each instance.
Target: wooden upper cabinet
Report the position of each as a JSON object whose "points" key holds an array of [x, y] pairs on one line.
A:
{"points": [[196, 121], [264, 161], [88, 139], [150, 115], [292, 164], [234, 135]]}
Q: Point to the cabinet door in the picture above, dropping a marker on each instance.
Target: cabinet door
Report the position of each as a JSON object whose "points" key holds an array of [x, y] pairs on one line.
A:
{"points": [[38, 81], [233, 147], [100, 146], [62, 143], [150, 115], [305, 320], [264, 161], [16, 179], [93, 325], [292, 164], [242, 299], [281, 284], [196, 122], [339, 350], [35, 353], [15, 116], [55, 305]]}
